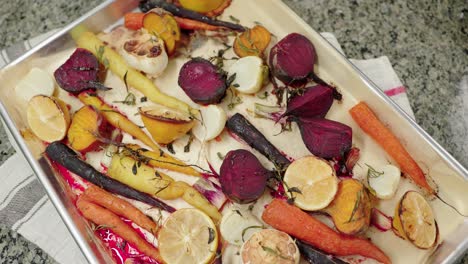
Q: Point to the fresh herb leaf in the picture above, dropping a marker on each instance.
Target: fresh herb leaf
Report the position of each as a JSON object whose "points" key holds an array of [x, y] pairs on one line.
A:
{"points": [[234, 19], [238, 212], [157, 174], [143, 99], [130, 99], [236, 85], [125, 80], [134, 169], [211, 235], [230, 79], [170, 148], [273, 252], [161, 152], [187, 147], [373, 173], [220, 156], [294, 189], [263, 96], [235, 100], [247, 228], [356, 207]]}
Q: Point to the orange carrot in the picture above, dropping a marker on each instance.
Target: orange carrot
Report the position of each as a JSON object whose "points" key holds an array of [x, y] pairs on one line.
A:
{"points": [[371, 124], [102, 216], [119, 207], [220, 9], [190, 24], [292, 220], [134, 20]]}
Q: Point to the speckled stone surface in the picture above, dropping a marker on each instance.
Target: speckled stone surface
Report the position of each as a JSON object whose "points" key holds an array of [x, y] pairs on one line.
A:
{"points": [[427, 42]]}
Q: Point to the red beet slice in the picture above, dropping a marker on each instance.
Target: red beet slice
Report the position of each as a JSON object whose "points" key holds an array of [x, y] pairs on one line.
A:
{"points": [[325, 138], [80, 72], [315, 102], [292, 59], [242, 176], [202, 81]]}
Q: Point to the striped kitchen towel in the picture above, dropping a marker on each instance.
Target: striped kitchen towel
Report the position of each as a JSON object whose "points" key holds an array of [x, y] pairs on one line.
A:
{"points": [[25, 207]]}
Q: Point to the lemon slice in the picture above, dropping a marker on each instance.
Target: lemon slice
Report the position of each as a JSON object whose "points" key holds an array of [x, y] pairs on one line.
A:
{"points": [[48, 118], [414, 220], [188, 236], [270, 246], [311, 182]]}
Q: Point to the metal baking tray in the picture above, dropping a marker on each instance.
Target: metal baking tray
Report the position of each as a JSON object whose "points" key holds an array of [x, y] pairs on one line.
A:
{"points": [[451, 177]]}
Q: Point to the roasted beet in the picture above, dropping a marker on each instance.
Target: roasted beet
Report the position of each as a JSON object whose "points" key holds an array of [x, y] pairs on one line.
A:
{"points": [[243, 178], [315, 102], [202, 81], [325, 138], [80, 72], [292, 59]]}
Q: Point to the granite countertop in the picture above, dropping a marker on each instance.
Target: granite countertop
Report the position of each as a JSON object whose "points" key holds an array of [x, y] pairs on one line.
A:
{"points": [[426, 41]]}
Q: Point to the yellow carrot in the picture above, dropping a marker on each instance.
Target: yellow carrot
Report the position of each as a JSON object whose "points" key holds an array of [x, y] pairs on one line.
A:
{"points": [[134, 78]]}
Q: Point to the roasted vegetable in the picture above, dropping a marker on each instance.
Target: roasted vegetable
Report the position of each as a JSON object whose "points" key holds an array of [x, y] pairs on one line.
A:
{"points": [[252, 42], [163, 25], [134, 20], [116, 119], [119, 207], [146, 179], [190, 24], [63, 155], [292, 220], [242, 176], [133, 78], [87, 129], [201, 6], [80, 72], [202, 81], [314, 256], [104, 217], [165, 125], [351, 208], [212, 191], [314, 102], [240, 126], [325, 138], [292, 59], [249, 74], [371, 124], [160, 159], [146, 5]]}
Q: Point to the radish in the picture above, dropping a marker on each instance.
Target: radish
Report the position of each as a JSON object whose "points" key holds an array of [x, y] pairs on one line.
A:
{"points": [[248, 74], [384, 181], [212, 124]]}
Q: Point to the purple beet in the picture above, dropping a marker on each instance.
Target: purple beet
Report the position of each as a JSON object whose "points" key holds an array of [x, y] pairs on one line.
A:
{"points": [[325, 138], [315, 102], [243, 178], [292, 59], [80, 72], [202, 81]]}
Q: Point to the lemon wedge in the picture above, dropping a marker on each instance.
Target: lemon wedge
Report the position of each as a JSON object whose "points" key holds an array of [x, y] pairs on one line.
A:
{"points": [[48, 118], [414, 221]]}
